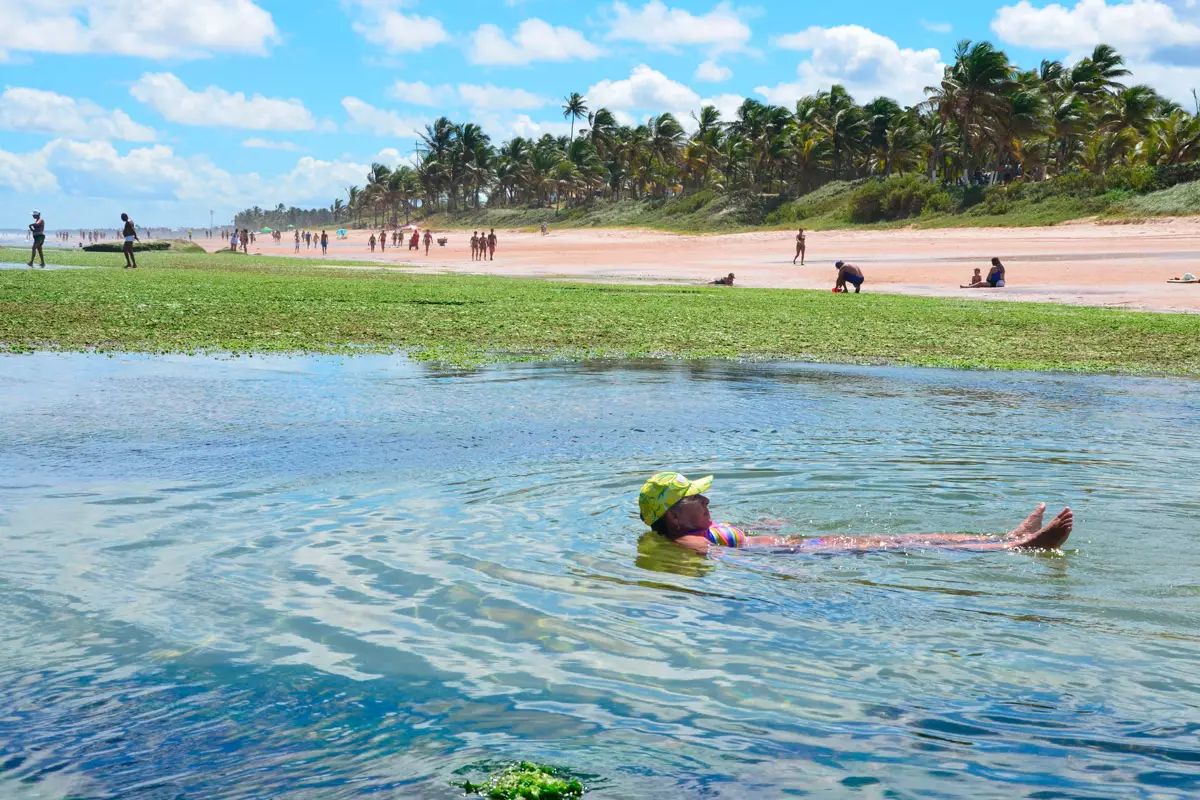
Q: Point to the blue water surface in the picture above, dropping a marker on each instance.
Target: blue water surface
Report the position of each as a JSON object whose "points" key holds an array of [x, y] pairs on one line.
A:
{"points": [[336, 578]]}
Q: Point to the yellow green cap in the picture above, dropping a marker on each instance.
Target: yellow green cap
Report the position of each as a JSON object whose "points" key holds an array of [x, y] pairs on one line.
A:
{"points": [[665, 490]]}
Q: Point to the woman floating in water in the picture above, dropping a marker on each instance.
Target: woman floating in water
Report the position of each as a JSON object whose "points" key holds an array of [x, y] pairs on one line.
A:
{"points": [[677, 509]]}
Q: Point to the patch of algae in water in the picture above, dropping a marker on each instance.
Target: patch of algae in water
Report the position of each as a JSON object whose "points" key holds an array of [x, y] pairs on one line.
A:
{"points": [[526, 781]]}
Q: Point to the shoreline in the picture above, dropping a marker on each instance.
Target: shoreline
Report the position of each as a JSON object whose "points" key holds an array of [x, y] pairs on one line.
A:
{"points": [[1085, 264]]}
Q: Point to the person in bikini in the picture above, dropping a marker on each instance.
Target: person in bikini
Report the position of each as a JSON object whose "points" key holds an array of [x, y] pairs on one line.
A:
{"points": [[475, 245], [491, 245], [995, 278], [428, 240], [38, 230], [130, 234], [801, 245], [676, 509], [371, 243]]}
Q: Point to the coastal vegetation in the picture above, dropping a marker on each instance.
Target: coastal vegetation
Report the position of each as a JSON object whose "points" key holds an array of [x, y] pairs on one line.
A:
{"points": [[990, 144], [186, 302]]}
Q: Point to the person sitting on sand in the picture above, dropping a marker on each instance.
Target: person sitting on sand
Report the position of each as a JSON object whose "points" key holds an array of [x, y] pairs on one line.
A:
{"points": [[848, 273], [976, 278], [800, 247], [726, 281], [37, 229], [428, 239], [676, 508], [995, 278]]}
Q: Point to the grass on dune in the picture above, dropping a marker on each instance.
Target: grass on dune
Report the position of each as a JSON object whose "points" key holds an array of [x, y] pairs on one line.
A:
{"points": [[190, 303]]}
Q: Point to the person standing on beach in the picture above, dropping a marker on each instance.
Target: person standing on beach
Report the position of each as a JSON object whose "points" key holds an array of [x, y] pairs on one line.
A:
{"points": [[371, 243], [297, 238], [130, 234], [324, 242], [491, 243], [848, 273], [245, 241], [382, 241], [37, 229], [474, 244], [428, 240], [801, 245]]}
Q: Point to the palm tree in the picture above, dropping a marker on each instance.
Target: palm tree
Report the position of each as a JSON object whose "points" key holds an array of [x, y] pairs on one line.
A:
{"points": [[973, 94], [574, 108]]}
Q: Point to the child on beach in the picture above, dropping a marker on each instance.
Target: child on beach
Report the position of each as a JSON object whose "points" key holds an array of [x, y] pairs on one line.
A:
{"points": [[976, 278]]}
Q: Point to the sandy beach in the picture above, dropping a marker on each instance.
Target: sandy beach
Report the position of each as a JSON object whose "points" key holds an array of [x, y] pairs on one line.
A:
{"points": [[1115, 265]]}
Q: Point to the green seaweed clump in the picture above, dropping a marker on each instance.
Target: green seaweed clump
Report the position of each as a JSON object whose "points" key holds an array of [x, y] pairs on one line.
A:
{"points": [[526, 781]]}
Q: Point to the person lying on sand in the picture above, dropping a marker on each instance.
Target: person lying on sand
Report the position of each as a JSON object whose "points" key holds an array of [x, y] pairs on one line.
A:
{"points": [[726, 281], [995, 278], [848, 273], [676, 508]]}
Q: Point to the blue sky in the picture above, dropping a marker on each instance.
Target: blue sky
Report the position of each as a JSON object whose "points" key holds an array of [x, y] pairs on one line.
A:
{"points": [[169, 108]]}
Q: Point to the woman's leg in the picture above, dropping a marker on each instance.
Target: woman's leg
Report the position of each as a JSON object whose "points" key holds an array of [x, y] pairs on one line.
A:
{"points": [[1029, 536]]}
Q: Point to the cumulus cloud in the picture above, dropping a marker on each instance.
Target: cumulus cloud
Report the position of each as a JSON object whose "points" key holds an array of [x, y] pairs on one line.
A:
{"points": [[255, 143], [145, 28], [1139, 28], [37, 111], [866, 63], [215, 107], [477, 98], [712, 72], [366, 118], [659, 26], [1162, 48], [156, 173], [534, 40], [644, 89], [381, 22]]}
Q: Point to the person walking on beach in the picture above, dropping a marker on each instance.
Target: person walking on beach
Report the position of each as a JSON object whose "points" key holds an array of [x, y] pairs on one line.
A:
{"points": [[371, 243], [474, 244], [37, 229], [676, 509], [491, 244], [801, 246], [382, 241], [297, 240], [428, 240], [245, 238], [130, 234], [324, 243], [848, 273], [994, 280]]}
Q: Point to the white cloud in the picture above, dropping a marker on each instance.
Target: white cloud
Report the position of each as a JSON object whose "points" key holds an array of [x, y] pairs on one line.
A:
{"points": [[382, 24], [644, 89], [534, 40], [366, 118], [148, 175], [1161, 48], [661, 27], [523, 125], [419, 93], [937, 27], [477, 98], [712, 72], [144, 28], [215, 107], [26, 173], [866, 63], [267, 144], [1138, 28], [37, 111], [494, 98], [727, 104]]}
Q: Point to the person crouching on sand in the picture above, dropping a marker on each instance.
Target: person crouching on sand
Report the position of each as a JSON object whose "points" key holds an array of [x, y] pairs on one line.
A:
{"points": [[676, 509], [995, 278], [726, 281], [848, 273]]}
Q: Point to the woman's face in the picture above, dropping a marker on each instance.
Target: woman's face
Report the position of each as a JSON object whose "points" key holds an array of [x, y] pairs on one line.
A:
{"points": [[690, 514]]}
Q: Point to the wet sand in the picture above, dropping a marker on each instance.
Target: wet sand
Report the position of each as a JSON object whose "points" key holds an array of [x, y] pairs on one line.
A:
{"points": [[1119, 265]]}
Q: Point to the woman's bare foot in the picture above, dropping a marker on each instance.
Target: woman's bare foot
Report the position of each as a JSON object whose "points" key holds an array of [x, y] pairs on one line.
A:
{"points": [[1051, 537], [1032, 524]]}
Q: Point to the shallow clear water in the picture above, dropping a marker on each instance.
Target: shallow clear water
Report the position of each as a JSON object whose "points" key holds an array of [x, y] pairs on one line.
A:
{"points": [[328, 578]]}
